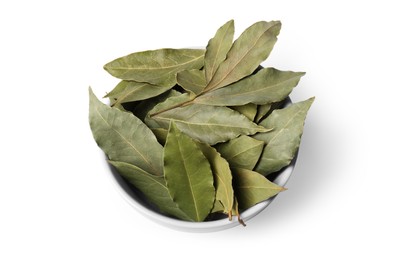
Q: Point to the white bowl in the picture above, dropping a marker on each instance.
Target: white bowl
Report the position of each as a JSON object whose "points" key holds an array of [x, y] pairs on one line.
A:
{"points": [[137, 201]]}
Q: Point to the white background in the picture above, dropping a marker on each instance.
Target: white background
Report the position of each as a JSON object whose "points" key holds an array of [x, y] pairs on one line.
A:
{"points": [[56, 198]]}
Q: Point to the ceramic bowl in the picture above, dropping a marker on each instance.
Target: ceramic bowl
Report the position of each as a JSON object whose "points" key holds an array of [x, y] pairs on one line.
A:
{"points": [[137, 201]]}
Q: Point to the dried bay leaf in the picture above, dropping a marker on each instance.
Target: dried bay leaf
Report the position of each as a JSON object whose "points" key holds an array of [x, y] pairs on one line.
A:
{"points": [[247, 52], [128, 91], [192, 80], [217, 49], [265, 110], [123, 137], [218, 207], [188, 175], [175, 99], [153, 187], [262, 110], [284, 140], [241, 152], [161, 134], [208, 124], [249, 110], [235, 211], [222, 179], [142, 109], [113, 103], [268, 85], [158, 67], [252, 188]]}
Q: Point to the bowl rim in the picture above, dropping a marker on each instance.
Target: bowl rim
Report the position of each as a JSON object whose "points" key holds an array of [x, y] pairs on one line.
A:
{"points": [[207, 226]]}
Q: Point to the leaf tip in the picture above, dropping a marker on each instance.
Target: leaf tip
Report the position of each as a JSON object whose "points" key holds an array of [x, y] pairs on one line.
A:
{"points": [[310, 101]]}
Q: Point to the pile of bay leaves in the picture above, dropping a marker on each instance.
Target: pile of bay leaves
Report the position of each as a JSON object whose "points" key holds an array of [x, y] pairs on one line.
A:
{"points": [[200, 131]]}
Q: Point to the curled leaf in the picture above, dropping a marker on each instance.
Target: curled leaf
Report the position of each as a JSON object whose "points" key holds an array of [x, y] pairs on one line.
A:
{"points": [[222, 179]]}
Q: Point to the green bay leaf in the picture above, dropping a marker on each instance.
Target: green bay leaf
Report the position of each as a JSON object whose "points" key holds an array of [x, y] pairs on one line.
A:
{"points": [[153, 187], [158, 67], [188, 175], [161, 134], [222, 179], [128, 91], [208, 124], [249, 110], [247, 52], [235, 211], [175, 99], [268, 85], [144, 106], [192, 80], [284, 140], [217, 48], [123, 137], [241, 152], [252, 188], [261, 112], [264, 111]]}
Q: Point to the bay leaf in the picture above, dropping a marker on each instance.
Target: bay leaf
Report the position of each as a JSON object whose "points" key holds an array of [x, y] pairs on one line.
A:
{"points": [[217, 48], [128, 91], [283, 141], [242, 152], [142, 109], [161, 134], [268, 85], [113, 103], [251, 187], [188, 175], [153, 187], [218, 207], [265, 110], [247, 52], [222, 179], [235, 212], [123, 137], [175, 99], [158, 67], [249, 110], [192, 80], [208, 124], [262, 110]]}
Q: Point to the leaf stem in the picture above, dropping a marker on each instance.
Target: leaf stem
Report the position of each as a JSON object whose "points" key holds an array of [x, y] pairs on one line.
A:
{"points": [[240, 220]]}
